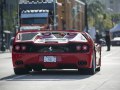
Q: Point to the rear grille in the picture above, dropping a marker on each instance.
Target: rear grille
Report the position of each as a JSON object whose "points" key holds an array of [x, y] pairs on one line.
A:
{"points": [[66, 48]]}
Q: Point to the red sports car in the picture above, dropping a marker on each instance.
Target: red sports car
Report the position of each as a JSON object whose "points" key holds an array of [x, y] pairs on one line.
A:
{"points": [[37, 50]]}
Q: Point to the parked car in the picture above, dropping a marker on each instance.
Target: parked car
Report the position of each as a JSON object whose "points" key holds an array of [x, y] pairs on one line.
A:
{"points": [[115, 41], [37, 50]]}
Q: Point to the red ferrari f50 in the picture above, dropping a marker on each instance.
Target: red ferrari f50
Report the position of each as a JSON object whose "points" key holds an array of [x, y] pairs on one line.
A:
{"points": [[37, 50]]}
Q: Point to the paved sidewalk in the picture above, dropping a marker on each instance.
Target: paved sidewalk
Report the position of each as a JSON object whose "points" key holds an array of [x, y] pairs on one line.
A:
{"points": [[7, 51]]}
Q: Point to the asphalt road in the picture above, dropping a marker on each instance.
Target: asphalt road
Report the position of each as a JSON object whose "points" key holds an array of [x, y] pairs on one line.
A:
{"points": [[107, 79]]}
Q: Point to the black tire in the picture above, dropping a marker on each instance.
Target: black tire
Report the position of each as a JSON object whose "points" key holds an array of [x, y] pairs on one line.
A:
{"points": [[82, 71], [89, 71], [21, 71], [98, 69], [37, 68], [93, 69]]}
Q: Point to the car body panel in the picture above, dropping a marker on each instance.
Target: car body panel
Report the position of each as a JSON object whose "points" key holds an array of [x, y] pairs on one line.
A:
{"points": [[115, 41], [72, 49]]}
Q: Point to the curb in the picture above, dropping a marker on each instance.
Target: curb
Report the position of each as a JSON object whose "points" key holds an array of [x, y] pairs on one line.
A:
{"points": [[7, 51]]}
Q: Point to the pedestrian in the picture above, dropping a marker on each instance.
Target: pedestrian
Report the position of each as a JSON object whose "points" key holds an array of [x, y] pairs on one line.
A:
{"points": [[97, 38], [108, 41]]}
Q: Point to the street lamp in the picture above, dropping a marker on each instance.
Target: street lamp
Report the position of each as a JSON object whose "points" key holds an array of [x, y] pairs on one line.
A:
{"points": [[2, 26]]}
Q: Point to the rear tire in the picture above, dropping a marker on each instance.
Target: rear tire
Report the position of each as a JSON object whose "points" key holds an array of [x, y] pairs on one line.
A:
{"points": [[37, 68], [21, 71], [82, 71], [92, 70], [89, 71], [98, 69]]}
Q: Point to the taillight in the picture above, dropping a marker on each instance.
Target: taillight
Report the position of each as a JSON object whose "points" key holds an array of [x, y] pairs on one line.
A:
{"points": [[78, 48], [23, 48], [17, 47], [85, 47]]}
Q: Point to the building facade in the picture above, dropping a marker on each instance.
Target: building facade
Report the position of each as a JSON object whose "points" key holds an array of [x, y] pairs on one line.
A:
{"points": [[73, 12]]}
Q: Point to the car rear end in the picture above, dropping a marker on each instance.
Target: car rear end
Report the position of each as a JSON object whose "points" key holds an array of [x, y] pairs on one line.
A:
{"points": [[115, 41], [52, 53]]}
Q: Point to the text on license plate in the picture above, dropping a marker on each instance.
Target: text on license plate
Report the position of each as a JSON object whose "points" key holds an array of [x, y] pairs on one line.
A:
{"points": [[49, 58]]}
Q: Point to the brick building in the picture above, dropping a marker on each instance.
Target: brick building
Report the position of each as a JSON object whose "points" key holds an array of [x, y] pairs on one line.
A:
{"points": [[73, 13]]}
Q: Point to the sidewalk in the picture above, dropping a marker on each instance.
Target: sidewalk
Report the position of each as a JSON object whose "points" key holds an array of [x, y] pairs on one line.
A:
{"points": [[7, 51]]}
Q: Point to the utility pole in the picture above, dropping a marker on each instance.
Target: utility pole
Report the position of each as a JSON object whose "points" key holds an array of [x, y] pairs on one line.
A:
{"points": [[2, 26]]}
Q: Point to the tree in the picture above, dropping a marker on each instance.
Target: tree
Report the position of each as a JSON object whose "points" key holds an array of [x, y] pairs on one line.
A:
{"points": [[10, 19], [95, 11], [115, 18], [96, 14]]}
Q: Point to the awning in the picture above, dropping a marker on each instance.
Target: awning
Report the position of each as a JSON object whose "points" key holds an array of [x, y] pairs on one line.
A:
{"points": [[115, 28]]}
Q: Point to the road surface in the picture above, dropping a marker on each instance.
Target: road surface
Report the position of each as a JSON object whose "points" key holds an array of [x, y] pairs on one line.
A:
{"points": [[107, 79]]}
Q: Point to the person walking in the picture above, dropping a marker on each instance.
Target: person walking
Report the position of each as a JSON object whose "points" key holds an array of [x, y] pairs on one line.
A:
{"points": [[97, 38], [108, 40]]}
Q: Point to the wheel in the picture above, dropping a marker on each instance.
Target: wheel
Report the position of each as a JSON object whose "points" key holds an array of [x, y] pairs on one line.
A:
{"points": [[82, 71], [92, 70], [20, 71], [37, 68], [98, 69]]}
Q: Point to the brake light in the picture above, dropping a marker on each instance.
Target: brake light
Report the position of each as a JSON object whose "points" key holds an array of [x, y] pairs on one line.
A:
{"points": [[78, 48], [23, 48], [17, 47], [85, 47]]}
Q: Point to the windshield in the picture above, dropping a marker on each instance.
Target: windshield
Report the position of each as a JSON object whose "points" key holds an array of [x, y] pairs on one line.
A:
{"points": [[34, 21]]}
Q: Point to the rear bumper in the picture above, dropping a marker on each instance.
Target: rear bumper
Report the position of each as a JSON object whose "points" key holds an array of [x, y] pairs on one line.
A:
{"points": [[63, 61], [115, 43]]}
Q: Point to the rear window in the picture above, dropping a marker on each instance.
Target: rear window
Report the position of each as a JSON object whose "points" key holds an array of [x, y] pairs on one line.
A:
{"points": [[25, 36], [28, 36], [49, 36]]}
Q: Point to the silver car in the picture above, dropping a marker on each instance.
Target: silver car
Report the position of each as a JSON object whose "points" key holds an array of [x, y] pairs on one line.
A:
{"points": [[115, 41]]}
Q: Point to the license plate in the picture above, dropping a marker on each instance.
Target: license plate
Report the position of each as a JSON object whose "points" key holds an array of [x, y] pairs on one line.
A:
{"points": [[49, 59]]}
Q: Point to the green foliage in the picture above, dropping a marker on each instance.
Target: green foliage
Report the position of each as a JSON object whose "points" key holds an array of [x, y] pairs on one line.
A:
{"points": [[115, 18], [107, 23], [97, 17], [9, 20]]}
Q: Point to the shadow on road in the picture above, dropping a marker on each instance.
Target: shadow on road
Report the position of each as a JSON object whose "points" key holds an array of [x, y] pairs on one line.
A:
{"points": [[48, 75]]}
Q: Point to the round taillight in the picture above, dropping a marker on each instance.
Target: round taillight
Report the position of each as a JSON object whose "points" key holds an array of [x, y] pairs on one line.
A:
{"points": [[78, 48], [17, 47], [85, 47], [23, 47]]}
